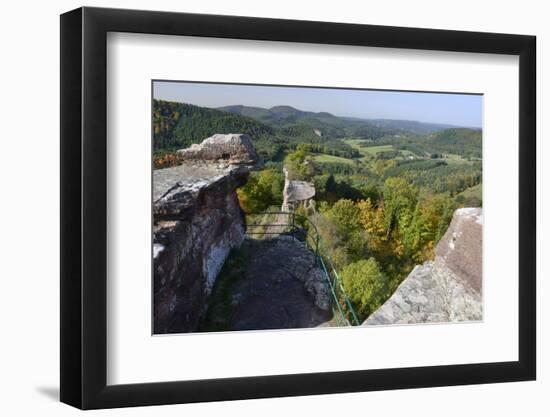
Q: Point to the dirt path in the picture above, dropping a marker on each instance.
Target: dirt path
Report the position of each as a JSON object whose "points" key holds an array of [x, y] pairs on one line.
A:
{"points": [[278, 224]]}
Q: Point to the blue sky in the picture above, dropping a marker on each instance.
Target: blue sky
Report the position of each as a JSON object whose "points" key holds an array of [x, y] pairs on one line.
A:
{"points": [[455, 109]]}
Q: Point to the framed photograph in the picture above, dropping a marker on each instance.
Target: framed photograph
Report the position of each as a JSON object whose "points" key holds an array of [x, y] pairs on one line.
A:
{"points": [[257, 208]]}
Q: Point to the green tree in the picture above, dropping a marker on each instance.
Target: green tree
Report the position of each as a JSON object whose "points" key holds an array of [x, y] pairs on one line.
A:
{"points": [[262, 190], [400, 198], [299, 164], [365, 285], [426, 225], [344, 214]]}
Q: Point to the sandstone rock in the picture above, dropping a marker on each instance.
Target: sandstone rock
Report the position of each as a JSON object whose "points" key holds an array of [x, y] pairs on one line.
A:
{"points": [[461, 246], [197, 221], [231, 149], [447, 289], [299, 191], [176, 189], [296, 192]]}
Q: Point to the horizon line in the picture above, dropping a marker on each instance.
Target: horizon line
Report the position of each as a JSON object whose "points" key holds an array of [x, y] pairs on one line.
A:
{"points": [[450, 125]]}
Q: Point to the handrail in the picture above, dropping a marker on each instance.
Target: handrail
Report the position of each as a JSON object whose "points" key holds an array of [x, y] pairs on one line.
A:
{"points": [[332, 289], [346, 299], [316, 245]]}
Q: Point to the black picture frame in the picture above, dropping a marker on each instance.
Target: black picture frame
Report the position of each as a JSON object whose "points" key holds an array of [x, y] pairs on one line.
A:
{"points": [[84, 207]]}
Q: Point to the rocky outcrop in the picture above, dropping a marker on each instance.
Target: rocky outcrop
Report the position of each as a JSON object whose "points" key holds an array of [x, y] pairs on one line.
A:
{"points": [[296, 192], [233, 149], [197, 221], [447, 289]]}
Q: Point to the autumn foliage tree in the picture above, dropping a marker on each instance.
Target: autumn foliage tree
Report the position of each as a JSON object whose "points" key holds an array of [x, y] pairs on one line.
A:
{"points": [[396, 231]]}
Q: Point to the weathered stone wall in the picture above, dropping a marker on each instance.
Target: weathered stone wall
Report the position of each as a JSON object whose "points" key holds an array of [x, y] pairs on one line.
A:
{"points": [[197, 221], [447, 289]]}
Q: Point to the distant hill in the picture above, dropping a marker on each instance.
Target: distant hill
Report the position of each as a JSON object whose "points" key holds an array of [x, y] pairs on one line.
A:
{"points": [[254, 112], [180, 124], [280, 128], [462, 141], [277, 114], [328, 124], [420, 128], [457, 135], [335, 126]]}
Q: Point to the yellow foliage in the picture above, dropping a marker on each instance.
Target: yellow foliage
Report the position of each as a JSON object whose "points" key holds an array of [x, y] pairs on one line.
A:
{"points": [[243, 200], [165, 161], [371, 219]]}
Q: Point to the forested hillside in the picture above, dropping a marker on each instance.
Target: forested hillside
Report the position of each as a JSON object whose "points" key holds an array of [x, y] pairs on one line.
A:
{"points": [[326, 124], [410, 125], [177, 125]]}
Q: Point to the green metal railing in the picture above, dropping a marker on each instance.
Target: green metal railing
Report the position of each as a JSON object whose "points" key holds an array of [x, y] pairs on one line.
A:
{"points": [[304, 230]]}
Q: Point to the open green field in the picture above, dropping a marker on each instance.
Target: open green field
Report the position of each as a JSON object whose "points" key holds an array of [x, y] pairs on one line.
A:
{"points": [[367, 151], [475, 191], [408, 154], [330, 158], [355, 143], [453, 159], [374, 150]]}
